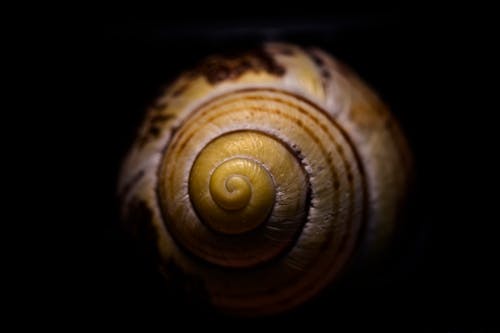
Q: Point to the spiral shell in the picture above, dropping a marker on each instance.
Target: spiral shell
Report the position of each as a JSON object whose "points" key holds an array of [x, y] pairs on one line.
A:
{"points": [[260, 175]]}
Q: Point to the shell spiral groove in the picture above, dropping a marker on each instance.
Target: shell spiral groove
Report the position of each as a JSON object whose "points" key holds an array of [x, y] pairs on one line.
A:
{"points": [[263, 182]]}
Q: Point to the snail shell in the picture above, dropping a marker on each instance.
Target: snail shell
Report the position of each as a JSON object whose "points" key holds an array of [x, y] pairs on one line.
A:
{"points": [[260, 175]]}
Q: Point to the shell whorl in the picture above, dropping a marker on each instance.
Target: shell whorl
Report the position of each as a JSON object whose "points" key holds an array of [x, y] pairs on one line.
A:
{"points": [[259, 172]]}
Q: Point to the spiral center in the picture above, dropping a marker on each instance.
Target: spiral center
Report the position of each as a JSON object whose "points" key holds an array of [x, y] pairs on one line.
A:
{"points": [[232, 195]]}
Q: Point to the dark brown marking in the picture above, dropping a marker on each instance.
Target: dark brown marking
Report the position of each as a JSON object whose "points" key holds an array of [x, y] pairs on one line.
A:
{"points": [[180, 90], [154, 127], [223, 67], [316, 59], [154, 131], [321, 67], [159, 118], [159, 106]]}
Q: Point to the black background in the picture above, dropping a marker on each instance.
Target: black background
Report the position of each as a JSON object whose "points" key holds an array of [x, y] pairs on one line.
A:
{"points": [[438, 274]]}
